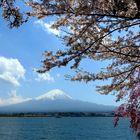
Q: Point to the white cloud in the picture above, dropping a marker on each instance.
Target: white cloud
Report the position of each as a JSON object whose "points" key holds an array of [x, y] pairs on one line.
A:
{"points": [[47, 27], [44, 77], [11, 70], [13, 99]]}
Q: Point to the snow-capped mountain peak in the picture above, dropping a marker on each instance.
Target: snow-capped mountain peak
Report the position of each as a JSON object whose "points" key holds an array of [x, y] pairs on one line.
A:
{"points": [[53, 95], [54, 101]]}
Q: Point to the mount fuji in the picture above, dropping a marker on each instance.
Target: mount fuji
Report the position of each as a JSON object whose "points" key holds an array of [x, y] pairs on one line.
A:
{"points": [[55, 101]]}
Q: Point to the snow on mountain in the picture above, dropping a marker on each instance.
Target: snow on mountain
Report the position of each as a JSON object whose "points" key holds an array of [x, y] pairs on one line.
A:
{"points": [[55, 101], [53, 95]]}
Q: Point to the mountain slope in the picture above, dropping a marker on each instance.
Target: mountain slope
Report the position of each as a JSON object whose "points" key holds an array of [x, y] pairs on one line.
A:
{"points": [[55, 101]]}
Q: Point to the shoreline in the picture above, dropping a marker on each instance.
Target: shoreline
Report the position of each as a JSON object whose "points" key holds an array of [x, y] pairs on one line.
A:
{"points": [[58, 114]]}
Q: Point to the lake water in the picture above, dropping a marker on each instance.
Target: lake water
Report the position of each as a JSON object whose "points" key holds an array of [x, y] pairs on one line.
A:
{"points": [[80, 128]]}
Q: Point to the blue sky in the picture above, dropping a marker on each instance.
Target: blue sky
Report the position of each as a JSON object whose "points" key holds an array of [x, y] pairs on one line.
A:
{"points": [[21, 53]]}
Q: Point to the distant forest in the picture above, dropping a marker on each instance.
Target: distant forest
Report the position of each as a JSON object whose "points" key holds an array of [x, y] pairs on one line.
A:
{"points": [[58, 114]]}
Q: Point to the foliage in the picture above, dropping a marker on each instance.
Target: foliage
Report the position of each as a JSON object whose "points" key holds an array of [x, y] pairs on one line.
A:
{"points": [[12, 13], [99, 30], [131, 110]]}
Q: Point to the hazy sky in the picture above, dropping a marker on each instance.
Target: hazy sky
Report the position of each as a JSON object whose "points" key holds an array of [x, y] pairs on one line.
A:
{"points": [[21, 53]]}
